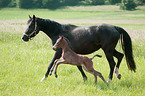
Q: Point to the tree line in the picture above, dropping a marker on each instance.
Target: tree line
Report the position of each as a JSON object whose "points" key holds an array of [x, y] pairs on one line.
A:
{"points": [[54, 4]]}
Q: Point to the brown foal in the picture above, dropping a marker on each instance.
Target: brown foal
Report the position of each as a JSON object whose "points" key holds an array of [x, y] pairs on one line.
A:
{"points": [[70, 57]]}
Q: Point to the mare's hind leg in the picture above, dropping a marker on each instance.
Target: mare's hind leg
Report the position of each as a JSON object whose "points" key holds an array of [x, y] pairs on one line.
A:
{"points": [[119, 56], [109, 56]]}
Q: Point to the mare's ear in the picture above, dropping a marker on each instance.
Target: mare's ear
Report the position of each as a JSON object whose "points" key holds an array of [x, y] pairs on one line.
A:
{"points": [[60, 36], [29, 16], [34, 17]]}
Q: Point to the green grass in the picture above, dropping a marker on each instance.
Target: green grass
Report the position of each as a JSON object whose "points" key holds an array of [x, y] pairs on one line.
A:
{"points": [[80, 12], [24, 64]]}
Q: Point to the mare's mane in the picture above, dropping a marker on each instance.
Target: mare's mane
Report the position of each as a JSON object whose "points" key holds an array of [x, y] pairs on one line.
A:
{"points": [[51, 25]]}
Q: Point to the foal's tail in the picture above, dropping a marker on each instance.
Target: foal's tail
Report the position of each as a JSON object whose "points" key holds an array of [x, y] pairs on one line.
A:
{"points": [[95, 56], [127, 48]]}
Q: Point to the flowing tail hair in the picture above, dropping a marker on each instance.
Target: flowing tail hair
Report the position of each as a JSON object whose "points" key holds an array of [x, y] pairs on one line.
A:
{"points": [[95, 56], [127, 48]]}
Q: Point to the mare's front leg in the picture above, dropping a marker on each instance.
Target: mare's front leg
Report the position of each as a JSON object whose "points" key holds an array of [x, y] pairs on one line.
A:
{"points": [[56, 56]]}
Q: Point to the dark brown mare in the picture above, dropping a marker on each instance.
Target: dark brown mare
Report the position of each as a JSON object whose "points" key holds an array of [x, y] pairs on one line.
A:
{"points": [[70, 57], [85, 40]]}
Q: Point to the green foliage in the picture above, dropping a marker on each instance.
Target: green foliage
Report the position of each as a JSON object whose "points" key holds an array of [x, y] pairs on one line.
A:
{"points": [[95, 2], [4, 3], [98, 2], [37, 3], [12, 3], [69, 2], [52, 4], [139, 2], [26, 4], [128, 5], [114, 1]]}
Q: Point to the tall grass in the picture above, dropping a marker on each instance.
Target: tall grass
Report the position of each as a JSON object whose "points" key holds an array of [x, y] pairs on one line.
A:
{"points": [[22, 65]]}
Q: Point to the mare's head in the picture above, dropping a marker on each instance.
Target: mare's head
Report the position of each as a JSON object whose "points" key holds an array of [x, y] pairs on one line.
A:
{"points": [[32, 29], [59, 43]]}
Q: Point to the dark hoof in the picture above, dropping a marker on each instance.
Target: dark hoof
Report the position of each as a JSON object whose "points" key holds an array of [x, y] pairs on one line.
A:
{"points": [[56, 75], [119, 76], [85, 78], [50, 73]]}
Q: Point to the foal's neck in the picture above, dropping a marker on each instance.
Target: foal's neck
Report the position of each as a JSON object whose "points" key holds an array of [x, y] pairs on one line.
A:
{"points": [[66, 46]]}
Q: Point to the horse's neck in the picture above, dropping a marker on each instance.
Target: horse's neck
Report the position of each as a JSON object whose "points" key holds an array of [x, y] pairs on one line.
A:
{"points": [[66, 48], [49, 27]]}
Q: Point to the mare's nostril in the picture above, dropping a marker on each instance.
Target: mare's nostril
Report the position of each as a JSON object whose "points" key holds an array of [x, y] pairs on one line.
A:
{"points": [[25, 38], [54, 48]]}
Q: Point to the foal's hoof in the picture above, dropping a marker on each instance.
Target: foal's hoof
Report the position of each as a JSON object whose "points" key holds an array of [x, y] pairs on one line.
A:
{"points": [[119, 76], [107, 84], [109, 81], [85, 78]]}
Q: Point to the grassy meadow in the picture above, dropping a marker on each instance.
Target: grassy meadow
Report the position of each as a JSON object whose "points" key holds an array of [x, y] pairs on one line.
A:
{"points": [[22, 65]]}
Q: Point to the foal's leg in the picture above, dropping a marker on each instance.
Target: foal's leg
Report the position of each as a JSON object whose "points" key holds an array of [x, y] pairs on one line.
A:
{"points": [[56, 56], [50, 73], [83, 74], [119, 56], [59, 61], [96, 73], [89, 66]]}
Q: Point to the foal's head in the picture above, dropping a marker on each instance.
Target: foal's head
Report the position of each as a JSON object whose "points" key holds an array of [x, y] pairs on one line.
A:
{"points": [[59, 43]]}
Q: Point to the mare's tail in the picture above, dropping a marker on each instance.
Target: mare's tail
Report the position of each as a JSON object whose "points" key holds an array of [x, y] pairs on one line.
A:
{"points": [[95, 56], [127, 48]]}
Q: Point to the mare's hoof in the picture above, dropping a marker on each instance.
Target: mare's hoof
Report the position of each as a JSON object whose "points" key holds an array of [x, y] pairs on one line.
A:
{"points": [[56, 75], [50, 73], [119, 76], [43, 79]]}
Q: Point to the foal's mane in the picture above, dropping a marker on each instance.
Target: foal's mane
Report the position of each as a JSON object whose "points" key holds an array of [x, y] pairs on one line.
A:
{"points": [[68, 42]]}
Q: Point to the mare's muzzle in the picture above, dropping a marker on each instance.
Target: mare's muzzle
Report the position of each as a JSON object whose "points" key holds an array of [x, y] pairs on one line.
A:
{"points": [[54, 48], [25, 38]]}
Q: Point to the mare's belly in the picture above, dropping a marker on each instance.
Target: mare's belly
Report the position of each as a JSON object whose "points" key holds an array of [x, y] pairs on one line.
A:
{"points": [[86, 49]]}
